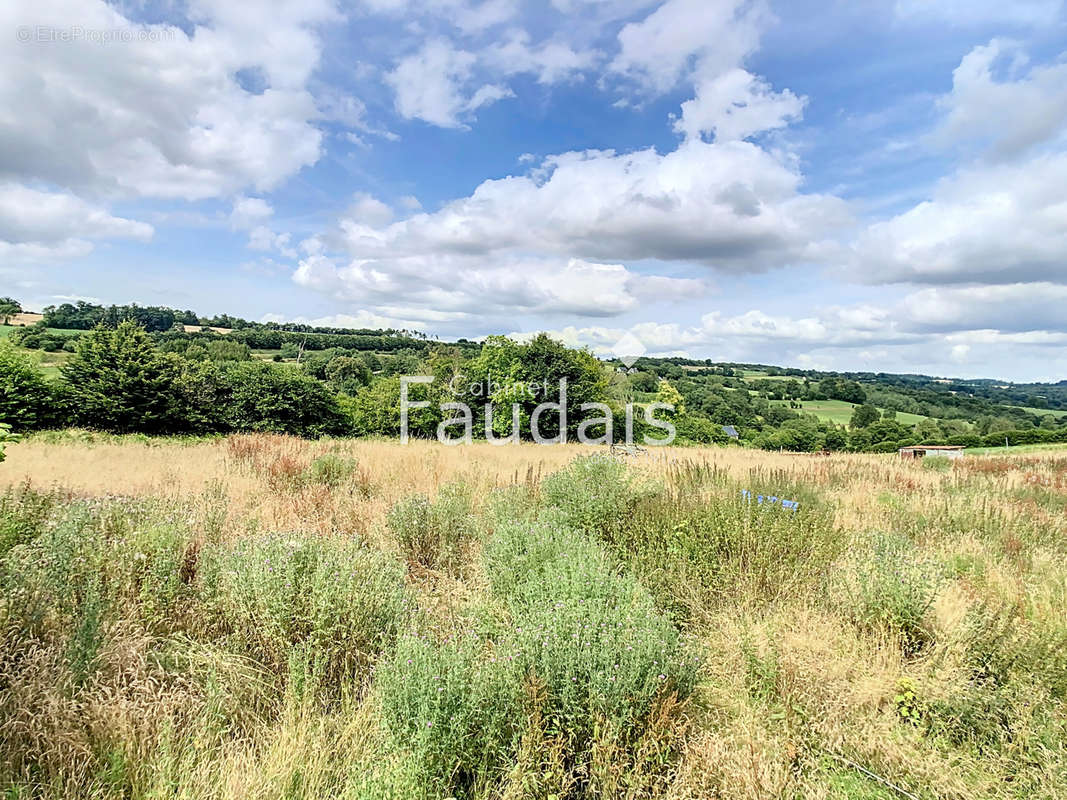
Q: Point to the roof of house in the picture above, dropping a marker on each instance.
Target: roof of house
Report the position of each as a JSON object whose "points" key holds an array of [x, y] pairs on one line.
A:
{"points": [[731, 431]]}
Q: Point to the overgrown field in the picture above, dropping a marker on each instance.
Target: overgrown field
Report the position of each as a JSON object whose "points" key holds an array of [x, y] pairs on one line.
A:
{"points": [[267, 617]]}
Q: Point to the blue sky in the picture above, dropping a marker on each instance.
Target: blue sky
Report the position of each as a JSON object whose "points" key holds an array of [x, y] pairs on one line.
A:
{"points": [[838, 185]]}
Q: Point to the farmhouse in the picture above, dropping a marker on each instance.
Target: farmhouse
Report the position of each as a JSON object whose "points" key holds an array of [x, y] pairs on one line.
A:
{"points": [[922, 450]]}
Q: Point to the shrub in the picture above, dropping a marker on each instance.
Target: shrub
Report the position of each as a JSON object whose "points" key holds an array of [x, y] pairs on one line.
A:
{"points": [[455, 708], [434, 534], [593, 492], [269, 593], [332, 470], [26, 399], [591, 634], [890, 585], [23, 513], [937, 463], [691, 548]]}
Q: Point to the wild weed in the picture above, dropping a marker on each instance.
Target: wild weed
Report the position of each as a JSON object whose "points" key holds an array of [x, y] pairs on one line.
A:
{"points": [[889, 584], [593, 493], [455, 708], [272, 592], [23, 511], [434, 534]]}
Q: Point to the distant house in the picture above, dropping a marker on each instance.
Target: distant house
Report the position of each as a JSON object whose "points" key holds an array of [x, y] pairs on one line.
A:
{"points": [[923, 450], [731, 431]]}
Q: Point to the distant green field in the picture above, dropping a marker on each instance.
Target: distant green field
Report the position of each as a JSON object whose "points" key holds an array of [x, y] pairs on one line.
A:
{"points": [[5, 331], [1020, 448], [1047, 411], [840, 412], [756, 375]]}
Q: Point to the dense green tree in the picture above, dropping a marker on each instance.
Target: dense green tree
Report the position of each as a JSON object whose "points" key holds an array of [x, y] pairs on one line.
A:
{"points": [[227, 350], [9, 307], [776, 415], [529, 374], [375, 411], [259, 396], [6, 437], [864, 416], [842, 389], [700, 430], [26, 399], [118, 381], [644, 381], [347, 374], [670, 396]]}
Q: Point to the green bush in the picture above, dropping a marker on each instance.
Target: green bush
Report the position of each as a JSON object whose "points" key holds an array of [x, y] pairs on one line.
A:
{"points": [[698, 546], [890, 585], [269, 593], [23, 512], [117, 553], [332, 470], [26, 398], [937, 463], [593, 492], [455, 709], [434, 534], [588, 632]]}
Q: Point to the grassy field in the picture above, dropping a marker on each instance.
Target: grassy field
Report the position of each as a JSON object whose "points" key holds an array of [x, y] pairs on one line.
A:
{"points": [[1060, 449], [840, 412], [265, 617]]}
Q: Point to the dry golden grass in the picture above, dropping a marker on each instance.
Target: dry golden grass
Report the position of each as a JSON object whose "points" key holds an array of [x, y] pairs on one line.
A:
{"points": [[25, 319], [175, 469]]}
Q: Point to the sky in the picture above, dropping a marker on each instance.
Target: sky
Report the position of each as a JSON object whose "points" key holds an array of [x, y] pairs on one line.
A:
{"points": [[842, 184]]}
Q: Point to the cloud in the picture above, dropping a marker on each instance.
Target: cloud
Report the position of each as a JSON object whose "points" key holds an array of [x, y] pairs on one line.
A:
{"points": [[1007, 118], [431, 85], [712, 35], [1013, 308], [465, 15], [731, 206], [737, 105], [550, 61], [753, 335], [475, 290], [263, 238], [164, 114], [249, 211], [963, 13], [37, 225], [990, 224]]}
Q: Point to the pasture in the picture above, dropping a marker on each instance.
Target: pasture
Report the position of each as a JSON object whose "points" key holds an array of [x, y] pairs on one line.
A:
{"points": [[259, 616], [840, 412]]}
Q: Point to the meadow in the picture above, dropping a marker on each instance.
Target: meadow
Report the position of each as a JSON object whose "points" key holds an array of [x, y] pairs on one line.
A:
{"points": [[840, 412], [260, 616]]}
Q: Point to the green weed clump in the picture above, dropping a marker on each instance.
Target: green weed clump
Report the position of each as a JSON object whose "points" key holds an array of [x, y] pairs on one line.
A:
{"points": [[342, 601], [332, 470], [585, 630], [937, 464], [454, 708], [705, 547], [592, 492], [94, 556], [23, 511], [890, 585], [436, 533]]}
